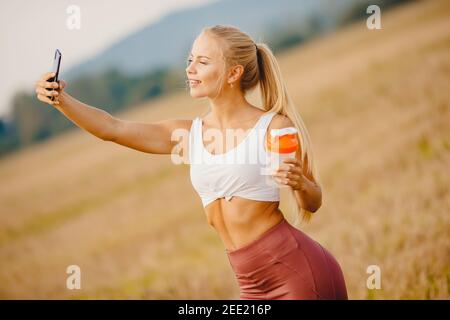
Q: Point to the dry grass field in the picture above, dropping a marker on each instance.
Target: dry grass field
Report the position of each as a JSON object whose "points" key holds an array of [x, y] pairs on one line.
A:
{"points": [[377, 107]]}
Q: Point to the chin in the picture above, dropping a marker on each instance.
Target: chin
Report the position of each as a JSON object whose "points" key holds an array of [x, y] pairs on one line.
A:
{"points": [[195, 94]]}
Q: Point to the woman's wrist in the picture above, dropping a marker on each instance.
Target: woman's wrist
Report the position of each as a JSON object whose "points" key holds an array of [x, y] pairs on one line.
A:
{"points": [[63, 98]]}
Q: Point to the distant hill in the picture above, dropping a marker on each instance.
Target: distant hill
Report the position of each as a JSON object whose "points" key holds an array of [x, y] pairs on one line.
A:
{"points": [[168, 41]]}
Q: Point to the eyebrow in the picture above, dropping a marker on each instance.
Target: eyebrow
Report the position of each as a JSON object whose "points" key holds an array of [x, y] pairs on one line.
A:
{"points": [[190, 54]]}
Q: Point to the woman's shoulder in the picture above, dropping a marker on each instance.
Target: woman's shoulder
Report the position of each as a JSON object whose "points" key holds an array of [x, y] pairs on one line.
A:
{"points": [[280, 121]]}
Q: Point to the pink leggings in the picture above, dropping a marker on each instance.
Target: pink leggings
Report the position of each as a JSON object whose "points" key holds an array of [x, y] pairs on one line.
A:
{"points": [[284, 263]]}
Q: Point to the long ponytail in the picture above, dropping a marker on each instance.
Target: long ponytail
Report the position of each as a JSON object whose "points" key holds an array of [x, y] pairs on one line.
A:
{"points": [[276, 98]]}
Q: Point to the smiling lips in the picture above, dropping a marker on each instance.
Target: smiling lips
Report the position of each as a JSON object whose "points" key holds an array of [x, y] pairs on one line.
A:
{"points": [[193, 82]]}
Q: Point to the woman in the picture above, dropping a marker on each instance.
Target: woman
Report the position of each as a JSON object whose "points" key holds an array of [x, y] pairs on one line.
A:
{"points": [[271, 259]]}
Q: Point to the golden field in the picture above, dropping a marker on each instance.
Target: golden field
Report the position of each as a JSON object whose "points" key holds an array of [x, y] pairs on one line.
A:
{"points": [[376, 103]]}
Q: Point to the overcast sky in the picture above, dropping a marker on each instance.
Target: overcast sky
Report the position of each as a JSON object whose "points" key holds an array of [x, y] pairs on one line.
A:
{"points": [[30, 31]]}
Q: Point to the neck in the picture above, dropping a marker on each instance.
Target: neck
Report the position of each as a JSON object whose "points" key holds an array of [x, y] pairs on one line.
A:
{"points": [[230, 107]]}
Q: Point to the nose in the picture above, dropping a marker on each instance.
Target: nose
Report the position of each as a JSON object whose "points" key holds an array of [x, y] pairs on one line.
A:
{"points": [[189, 69]]}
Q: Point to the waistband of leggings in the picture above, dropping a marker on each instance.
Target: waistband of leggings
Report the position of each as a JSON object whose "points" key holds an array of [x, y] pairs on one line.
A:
{"points": [[270, 239]]}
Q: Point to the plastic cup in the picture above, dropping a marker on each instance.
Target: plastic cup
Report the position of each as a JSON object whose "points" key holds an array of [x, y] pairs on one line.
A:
{"points": [[281, 144]]}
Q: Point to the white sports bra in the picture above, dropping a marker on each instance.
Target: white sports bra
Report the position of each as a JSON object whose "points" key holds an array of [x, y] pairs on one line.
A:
{"points": [[237, 172]]}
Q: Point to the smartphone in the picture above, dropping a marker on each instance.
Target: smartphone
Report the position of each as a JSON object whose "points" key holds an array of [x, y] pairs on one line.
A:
{"points": [[56, 64]]}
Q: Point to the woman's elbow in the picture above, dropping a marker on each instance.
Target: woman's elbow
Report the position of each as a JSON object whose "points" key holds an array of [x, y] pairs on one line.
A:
{"points": [[315, 206]]}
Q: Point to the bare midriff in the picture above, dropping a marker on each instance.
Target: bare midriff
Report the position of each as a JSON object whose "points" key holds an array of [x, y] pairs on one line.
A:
{"points": [[241, 221]]}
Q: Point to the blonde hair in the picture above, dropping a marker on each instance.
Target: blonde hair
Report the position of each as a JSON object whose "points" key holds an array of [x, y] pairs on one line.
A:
{"points": [[261, 67]]}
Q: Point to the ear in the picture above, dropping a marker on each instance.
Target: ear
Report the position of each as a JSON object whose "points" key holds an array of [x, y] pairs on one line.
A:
{"points": [[235, 73]]}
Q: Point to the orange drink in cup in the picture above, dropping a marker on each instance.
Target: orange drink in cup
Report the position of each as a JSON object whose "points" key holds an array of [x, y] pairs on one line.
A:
{"points": [[280, 144]]}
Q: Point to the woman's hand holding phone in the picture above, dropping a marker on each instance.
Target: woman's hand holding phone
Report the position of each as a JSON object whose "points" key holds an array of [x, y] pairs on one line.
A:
{"points": [[46, 89]]}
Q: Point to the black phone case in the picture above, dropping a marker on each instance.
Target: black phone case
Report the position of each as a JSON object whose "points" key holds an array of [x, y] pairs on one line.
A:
{"points": [[56, 64]]}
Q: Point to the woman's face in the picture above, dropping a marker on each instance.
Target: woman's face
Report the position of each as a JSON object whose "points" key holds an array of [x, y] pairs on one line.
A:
{"points": [[205, 65]]}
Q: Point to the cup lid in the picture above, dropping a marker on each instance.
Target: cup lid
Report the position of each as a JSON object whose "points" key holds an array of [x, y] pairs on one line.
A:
{"points": [[283, 131]]}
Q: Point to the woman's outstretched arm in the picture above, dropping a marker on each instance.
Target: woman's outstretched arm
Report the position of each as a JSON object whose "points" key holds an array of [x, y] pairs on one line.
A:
{"points": [[158, 138], [95, 121], [146, 137]]}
